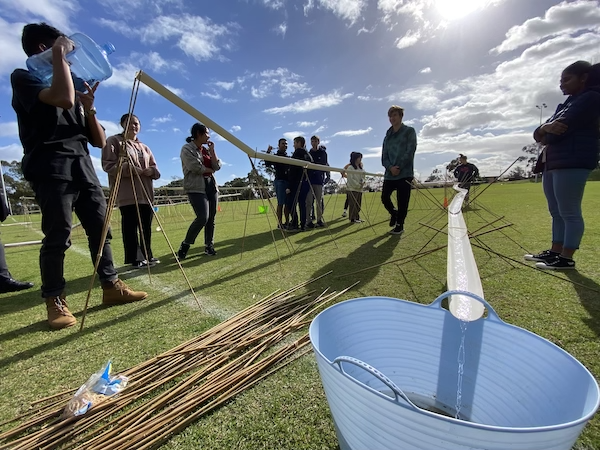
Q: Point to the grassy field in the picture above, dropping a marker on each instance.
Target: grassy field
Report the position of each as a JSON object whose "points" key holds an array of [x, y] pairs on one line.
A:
{"points": [[289, 410]]}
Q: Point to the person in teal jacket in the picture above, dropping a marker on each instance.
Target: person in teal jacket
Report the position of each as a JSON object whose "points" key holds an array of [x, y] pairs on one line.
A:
{"points": [[397, 156]]}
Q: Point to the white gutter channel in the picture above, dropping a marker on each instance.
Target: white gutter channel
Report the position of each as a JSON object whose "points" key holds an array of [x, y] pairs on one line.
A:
{"points": [[462, 273]]}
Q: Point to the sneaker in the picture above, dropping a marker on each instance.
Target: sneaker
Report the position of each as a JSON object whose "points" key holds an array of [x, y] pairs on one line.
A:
{"points": [[542, 256], [118, 293], [310, 225], [182, 252], [558, 263], [154, 261], [143, 264], [398, 229], [345, 213], [357, 221], [59, 315], [393, 218], [320, 224], [210, 250], [302, 229]]}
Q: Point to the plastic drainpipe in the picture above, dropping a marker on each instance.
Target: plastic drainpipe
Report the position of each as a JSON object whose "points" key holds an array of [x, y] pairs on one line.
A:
{"points": [[462, 273]]}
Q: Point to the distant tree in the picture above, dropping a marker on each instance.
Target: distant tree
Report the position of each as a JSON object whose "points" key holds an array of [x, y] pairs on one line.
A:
{"points": [[532, 151], [16, 185], [518, 173], [331, 187], [436, 175]]}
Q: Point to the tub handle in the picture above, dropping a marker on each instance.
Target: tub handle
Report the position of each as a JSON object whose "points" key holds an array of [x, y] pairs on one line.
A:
{"points": [[492, 315], [377, 374]]}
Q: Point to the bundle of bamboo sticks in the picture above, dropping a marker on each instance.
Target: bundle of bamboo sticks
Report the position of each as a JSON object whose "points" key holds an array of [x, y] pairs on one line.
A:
{"points": [[174, 389]]}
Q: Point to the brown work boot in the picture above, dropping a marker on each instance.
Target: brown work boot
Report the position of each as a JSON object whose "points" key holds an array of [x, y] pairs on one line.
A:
{"points": [[118, 293], [59, 315]]}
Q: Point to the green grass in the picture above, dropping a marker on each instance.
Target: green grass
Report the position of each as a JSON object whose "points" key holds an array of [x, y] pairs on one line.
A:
{"points": [[288, 410]]}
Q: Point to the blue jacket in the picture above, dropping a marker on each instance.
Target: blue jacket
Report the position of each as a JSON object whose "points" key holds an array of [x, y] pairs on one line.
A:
{"points": [[319, 156], [578, 147]]}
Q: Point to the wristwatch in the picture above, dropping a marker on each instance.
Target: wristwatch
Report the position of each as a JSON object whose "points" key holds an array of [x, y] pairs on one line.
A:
{"points": [[91, 111]]}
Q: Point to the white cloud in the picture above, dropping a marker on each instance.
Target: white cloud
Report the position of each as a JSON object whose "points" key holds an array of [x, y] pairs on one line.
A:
{"points": [[290, 135], [565, 18], [281, 28], [306, 124], [154, 62], [320, 129], [311, 104], [124, 75], [9, 129], [281, 80], [10, 42], [225, 85], [12, 152], [274, 4], [111, 128], [368, 98], [409, 39], [372, 152], [349, 10], [348, 133], [56, 12], [163, 119], [235, 128], [425, 70]]}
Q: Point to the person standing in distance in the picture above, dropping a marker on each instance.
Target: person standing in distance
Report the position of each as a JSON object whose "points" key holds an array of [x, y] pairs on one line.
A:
{"points": [[55, 125], [465, 173], [199, 163], [397, 156], [281, 183]]}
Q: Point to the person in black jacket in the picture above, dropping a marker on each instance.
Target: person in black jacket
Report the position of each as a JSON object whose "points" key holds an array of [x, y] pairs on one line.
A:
{"points": [[298, 185], [281, 183], [571, 138], [465, 173]]}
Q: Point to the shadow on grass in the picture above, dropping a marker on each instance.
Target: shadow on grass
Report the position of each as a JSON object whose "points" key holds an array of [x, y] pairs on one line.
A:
{"points": [[589, 295], [371, 253], [75, 334]]}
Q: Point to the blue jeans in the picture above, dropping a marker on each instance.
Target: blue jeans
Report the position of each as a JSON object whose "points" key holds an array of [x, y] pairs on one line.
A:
{"points": [[280, 187], [564, 192]]}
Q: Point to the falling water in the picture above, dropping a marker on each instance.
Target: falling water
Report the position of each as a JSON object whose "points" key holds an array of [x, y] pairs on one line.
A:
{"points": [[461, 365]]}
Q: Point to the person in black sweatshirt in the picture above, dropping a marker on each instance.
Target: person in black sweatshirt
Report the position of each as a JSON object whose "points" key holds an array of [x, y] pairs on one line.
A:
{"points": [[298, 185], [281, 183]]}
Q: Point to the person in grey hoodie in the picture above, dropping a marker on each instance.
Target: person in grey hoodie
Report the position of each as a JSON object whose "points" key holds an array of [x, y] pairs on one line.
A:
{"points": [[199, 163], [397, 156]]}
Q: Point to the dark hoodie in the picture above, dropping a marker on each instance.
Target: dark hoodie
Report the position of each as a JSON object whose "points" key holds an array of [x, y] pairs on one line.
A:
{"points": [[319, 156], [295, 172], [576, 148], [281, 170]]}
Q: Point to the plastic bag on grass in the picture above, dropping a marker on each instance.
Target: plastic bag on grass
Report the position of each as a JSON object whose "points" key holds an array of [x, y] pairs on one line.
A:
{"points": [[95, 390]]}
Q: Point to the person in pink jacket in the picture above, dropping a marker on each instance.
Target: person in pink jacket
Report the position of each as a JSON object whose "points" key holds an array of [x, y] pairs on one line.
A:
{"points": [[135, 190]]}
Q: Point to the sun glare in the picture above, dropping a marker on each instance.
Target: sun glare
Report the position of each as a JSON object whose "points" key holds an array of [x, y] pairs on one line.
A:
{"points": [[455, 9]]}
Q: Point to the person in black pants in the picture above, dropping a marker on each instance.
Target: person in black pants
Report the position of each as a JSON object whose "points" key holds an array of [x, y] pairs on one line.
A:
{"points": [[298, 186], [465, 173], [55, 124], [397, 156], [199, 163], [136, 193]]}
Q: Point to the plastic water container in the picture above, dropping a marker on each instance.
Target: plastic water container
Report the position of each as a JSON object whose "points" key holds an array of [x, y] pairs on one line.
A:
{"points": [[88, 62]]}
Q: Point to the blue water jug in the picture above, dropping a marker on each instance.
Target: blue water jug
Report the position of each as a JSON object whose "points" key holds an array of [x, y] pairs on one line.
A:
{"points": [[88, 62]]}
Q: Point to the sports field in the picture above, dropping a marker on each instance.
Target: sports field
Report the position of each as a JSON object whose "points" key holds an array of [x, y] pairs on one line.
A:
{"points": [[288, 409]]}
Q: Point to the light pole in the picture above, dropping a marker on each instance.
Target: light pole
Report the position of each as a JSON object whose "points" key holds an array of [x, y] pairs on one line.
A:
{"points": [[541, 108]]}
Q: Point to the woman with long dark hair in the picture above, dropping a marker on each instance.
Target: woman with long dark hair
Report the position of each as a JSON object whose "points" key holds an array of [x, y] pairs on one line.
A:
{"points": [[135, 190], [355, 176], [199, 163], [571, 138]]}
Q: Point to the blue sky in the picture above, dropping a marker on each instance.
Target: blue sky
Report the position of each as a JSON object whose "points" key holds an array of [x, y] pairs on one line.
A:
{"points": [[469, 73]]}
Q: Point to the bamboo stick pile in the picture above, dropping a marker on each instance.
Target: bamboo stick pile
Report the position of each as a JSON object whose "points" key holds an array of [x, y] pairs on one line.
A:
{"points": [[169, 392]]}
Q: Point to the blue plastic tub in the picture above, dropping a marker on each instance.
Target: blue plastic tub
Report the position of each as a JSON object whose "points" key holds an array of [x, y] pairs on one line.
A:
{"points": [[389, 368]]}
